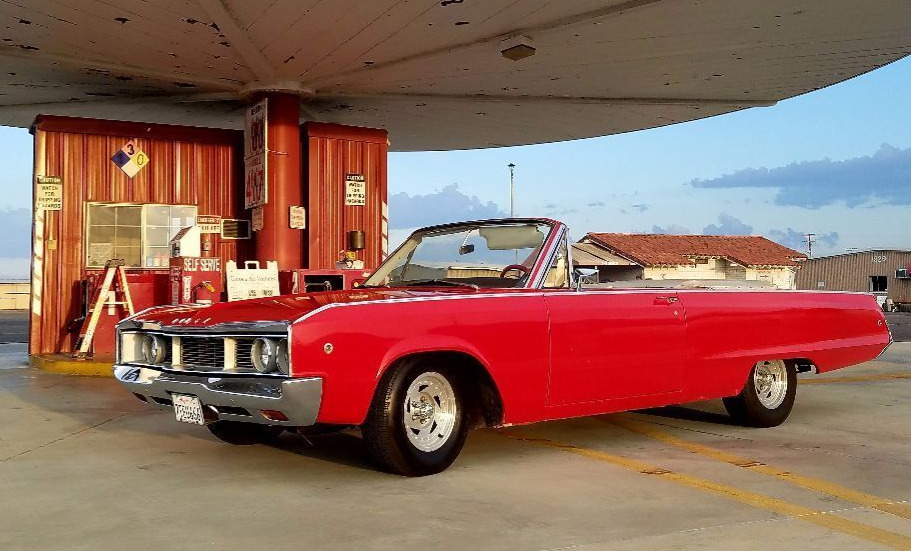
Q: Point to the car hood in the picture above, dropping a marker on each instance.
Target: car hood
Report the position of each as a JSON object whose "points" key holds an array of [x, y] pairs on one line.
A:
{"points": [[281, 309]]}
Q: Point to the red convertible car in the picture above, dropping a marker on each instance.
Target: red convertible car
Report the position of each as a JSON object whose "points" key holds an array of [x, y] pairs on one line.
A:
{"points": [[483, 323]]}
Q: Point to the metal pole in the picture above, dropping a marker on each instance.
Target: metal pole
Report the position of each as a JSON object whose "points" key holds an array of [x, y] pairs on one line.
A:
{"points": [[512, 190], [512, 198], [810, 242]]}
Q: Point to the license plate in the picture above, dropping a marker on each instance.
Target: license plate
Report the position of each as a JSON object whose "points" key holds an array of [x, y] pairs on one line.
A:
{"points": [[188, 409]]}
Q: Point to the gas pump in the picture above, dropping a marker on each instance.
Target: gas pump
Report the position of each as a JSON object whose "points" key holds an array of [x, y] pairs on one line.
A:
{"points": [[196, 273]]}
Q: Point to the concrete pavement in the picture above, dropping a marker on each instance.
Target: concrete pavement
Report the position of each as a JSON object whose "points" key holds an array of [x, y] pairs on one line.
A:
{"points": [[83, 465]]}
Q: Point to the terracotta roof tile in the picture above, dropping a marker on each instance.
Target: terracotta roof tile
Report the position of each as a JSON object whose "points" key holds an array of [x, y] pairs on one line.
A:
{"points": [[655, 250]]}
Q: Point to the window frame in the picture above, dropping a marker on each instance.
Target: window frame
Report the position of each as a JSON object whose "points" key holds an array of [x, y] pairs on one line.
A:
{"points": [[568, 282], [143, 228], [875, 279]]}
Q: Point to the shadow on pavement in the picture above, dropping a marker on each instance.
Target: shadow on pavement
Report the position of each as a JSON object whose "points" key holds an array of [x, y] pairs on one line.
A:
{"points": [[689, 414]]}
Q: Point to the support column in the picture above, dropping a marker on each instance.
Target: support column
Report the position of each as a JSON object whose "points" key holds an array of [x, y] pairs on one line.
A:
{"points": [[277, 240]]}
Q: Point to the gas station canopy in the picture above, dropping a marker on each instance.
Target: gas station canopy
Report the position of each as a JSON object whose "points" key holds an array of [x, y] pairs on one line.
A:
{"points": [[447, 74]]}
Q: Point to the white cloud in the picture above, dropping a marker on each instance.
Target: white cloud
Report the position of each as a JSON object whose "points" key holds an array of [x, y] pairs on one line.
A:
{"points": [[446, 205], [727, 225]]}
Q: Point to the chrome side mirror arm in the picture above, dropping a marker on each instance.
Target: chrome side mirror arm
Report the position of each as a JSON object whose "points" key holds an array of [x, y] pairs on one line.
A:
{"points": [[581, 274]]}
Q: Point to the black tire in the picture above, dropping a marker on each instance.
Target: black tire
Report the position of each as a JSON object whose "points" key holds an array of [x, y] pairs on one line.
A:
{"points": [[244, 434], [385, 428], [749, 410]]}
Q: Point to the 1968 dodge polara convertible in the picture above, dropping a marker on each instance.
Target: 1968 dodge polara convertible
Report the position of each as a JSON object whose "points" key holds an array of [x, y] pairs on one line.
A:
{"points": [[483, 323]]}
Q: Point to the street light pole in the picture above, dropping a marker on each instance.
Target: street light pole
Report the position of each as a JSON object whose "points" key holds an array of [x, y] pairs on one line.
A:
{"points": [[512, 190], [512, 197]]}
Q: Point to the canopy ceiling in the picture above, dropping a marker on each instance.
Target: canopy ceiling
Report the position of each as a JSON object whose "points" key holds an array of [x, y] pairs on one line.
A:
{"points": [[433, 72]]}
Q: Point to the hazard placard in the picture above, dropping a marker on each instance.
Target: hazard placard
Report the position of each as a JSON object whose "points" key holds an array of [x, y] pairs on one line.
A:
{"points": [[130, 159]]}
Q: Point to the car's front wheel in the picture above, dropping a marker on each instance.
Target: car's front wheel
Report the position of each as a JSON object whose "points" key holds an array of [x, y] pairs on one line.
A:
{"points": [[417, 422], [767, 397]]}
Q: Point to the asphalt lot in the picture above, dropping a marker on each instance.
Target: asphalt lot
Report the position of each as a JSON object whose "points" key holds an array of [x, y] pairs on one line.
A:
{"points": [[83, 465], [900, 325], [13, 326]]}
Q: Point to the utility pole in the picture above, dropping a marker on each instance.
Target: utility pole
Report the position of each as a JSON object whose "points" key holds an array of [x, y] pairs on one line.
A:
{"points": [[810, 240], [512, 190]]}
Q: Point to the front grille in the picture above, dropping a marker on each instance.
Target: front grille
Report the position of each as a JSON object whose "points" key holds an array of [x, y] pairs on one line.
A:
{"points": [[202, 353], [243, 349]]}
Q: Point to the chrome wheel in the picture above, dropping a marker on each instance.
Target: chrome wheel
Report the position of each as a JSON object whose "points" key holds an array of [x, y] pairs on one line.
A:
{"points": [[770, 379], [430, 411]]}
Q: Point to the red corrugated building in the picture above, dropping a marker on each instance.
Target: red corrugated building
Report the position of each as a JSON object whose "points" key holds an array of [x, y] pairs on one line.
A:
{"points": [[103, 212]]}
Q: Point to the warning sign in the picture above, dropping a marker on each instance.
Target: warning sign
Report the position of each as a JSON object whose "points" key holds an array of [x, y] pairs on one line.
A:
{"points": [[208, 223], [49, 193], [130, 159], [355, 190], [257, 219], [297, 218]]}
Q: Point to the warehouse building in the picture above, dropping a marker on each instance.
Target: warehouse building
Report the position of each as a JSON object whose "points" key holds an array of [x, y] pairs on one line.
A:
{"points": [[883, 272], [684, 257]]}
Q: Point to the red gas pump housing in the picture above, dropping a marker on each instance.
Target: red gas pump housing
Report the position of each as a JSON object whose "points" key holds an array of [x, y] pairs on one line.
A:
{"points": [[196, 280], [147, 288], [309, 281]]}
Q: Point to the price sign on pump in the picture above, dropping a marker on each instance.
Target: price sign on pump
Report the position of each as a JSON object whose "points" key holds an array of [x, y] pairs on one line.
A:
{"points": [[256, 155]]}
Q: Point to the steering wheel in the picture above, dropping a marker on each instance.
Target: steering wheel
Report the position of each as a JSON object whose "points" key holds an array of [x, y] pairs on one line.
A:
{"points": [[520, 267]]}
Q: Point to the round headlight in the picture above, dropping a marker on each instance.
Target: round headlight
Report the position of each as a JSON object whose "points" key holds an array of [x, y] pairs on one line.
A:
{"points": [[154, 349], [282, 360], [264, 355]]}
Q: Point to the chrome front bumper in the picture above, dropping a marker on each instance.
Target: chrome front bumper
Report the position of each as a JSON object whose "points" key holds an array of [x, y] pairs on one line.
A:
{"points": [[229, 398]]}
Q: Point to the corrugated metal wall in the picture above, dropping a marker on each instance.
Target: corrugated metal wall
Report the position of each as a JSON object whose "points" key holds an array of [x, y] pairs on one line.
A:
{"points": [[186, 166], [851, 272], [332, 152]]}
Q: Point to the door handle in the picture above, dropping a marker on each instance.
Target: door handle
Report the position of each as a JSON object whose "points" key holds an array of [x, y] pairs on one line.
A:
{"points": [[665, 301]]}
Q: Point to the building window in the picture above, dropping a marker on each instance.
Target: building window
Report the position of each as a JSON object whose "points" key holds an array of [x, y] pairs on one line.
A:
{"points": [[138, 234], [878, 284]]}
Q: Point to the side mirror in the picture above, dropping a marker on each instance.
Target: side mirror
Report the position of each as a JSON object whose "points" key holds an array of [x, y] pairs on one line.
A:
{"points": [[581, 274], [466, 249]]}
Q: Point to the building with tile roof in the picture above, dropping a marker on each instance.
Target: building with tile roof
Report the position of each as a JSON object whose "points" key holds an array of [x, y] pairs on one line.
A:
{"points": [[683, 257]]}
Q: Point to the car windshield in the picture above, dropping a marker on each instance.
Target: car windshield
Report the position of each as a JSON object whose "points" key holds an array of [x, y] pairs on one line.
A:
{"points": [[498, 255]]}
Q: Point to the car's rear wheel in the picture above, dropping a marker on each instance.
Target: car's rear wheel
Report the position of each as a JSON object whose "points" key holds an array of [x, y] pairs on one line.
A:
{"points": [[244, 434], [767, 397], [417, 422]]}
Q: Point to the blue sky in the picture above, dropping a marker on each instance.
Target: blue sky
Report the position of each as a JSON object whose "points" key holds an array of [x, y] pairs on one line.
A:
{"points": [[679, 177], [836, 162]]}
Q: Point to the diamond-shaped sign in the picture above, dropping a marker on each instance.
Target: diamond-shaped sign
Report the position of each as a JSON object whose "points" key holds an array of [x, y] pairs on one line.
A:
{"points": [[130, 159]]}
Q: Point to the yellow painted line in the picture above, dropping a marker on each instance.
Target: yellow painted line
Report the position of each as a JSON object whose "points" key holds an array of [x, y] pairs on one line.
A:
{"points": [[819, 518], [856, 378], [816, 484]]}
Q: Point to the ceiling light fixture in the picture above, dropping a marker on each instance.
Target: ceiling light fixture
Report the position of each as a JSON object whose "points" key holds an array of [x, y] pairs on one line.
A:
{"points": [[517, 48]]}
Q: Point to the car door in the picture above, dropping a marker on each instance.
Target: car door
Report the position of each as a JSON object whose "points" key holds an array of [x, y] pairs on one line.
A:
{"points": [[610, 344]]}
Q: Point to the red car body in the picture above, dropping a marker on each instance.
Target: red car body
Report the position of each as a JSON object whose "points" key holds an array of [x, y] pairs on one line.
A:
{"points": [[555, 353]]}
